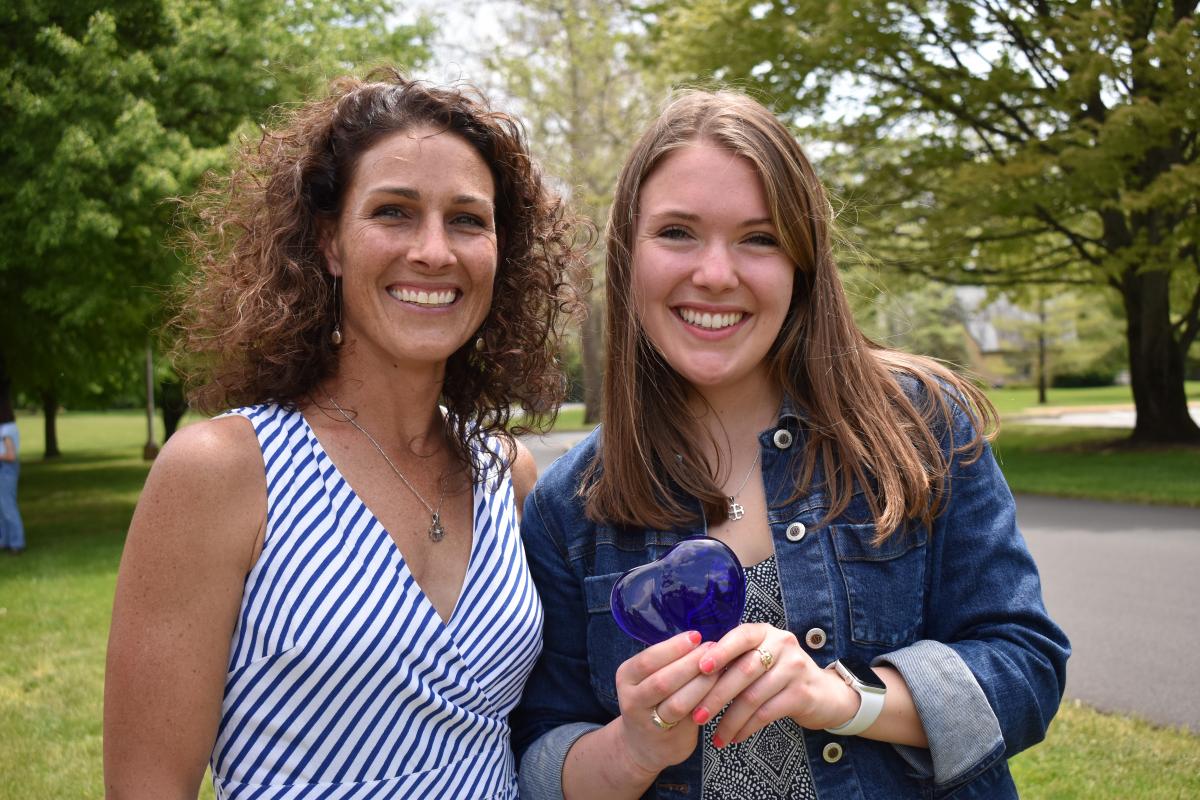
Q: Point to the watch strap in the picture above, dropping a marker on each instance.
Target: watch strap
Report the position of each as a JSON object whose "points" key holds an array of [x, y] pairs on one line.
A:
{"points": [[869, 708]]}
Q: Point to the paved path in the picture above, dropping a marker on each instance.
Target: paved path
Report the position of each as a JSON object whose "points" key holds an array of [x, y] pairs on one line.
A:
{"points": [[1122, 580], [1089, 418]]}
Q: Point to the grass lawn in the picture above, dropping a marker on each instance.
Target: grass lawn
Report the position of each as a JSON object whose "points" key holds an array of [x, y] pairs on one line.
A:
{"points": [[1092, 755], [56, 600], [1091, 463], [1010, 402]]}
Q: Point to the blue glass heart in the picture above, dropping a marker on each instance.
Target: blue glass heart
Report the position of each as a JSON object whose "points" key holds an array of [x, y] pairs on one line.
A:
{"points": [[698, 585]]}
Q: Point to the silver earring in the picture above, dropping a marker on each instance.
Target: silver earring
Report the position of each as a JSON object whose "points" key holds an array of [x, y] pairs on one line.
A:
{"points": [[335, 335], [480, 344]]}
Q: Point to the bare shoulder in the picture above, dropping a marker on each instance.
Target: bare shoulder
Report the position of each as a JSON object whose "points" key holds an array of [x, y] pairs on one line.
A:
{"points": [[215, 445], [209, 477], [194, 536], [524, 473]]}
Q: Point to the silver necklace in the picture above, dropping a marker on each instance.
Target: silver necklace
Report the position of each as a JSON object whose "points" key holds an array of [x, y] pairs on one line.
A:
{"points": [[436, 531], [736, 512]]}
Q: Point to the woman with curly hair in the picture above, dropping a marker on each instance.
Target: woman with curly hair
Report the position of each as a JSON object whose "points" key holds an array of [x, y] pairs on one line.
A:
{"points": [[323, 591]]}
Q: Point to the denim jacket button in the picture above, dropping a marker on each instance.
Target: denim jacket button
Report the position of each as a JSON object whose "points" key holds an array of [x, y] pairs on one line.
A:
{"points": [[782, 438], [795, 531], [815, 638], [832, 753]]}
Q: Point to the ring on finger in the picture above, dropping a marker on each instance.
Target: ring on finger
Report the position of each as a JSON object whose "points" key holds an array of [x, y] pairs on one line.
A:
{"points": [[768, 660], [659, 722]]}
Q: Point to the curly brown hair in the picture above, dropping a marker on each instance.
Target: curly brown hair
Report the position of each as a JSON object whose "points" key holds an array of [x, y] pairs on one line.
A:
{"points": [[256, 315]]}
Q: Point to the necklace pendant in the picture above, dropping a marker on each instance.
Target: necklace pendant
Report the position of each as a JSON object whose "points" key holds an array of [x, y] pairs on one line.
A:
{"points": [[436, 531], [736, 512]]}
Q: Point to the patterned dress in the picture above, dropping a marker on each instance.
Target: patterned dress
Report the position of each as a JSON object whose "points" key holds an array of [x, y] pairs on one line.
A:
{"points": [[772, 763], [343, 680]]}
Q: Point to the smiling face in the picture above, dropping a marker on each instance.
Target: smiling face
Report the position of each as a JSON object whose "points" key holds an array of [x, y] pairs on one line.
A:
{"points": [[711, 283], [415, 246]]}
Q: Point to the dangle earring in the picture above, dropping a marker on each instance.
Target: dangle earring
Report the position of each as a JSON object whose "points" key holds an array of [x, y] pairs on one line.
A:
{"points": [[476, 357], [336, 335]]}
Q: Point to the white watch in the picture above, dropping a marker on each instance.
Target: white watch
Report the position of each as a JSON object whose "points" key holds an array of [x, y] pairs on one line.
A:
{"points": [[871, 692]]}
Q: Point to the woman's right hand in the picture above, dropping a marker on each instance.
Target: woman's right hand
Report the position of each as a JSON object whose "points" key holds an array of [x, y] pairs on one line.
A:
{"points": [[666, 679]]}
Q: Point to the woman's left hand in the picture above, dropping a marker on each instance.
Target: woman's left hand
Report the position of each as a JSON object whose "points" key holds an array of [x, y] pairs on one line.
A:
{"points": [[769, 676]]}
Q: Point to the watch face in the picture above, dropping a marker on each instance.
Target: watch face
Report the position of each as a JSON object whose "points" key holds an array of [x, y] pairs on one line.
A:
{"points": [[866, 676]]}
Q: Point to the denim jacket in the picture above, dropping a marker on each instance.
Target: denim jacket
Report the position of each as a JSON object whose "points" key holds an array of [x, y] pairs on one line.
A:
{"points": [[956, 609]]}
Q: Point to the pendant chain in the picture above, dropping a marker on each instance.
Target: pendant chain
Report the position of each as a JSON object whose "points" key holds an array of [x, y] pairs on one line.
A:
{"points": [[436, 531], [736, 511]]}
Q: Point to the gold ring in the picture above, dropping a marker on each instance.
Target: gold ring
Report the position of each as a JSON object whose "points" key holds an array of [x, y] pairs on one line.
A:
{"points": [[768, 660], [660, 722]]}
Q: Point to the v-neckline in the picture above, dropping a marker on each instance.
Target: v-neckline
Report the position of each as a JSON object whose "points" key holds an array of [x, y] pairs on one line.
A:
{"points": [[396, 552]]}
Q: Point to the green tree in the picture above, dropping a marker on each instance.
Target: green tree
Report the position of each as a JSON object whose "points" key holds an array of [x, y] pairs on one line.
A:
{"points": [[928, 319], [109, 112], [1003, 143], [576, 68]]}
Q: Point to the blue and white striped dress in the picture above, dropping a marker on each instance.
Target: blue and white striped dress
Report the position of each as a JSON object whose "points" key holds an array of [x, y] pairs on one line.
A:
{"points": [[343, 680]]}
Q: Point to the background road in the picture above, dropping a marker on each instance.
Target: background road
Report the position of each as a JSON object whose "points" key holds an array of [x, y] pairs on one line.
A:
{"points": [[1122, 580]]}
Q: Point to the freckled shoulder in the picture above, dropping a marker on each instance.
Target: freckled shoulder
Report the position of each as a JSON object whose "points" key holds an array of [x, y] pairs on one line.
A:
{"points": [[208, 487]]}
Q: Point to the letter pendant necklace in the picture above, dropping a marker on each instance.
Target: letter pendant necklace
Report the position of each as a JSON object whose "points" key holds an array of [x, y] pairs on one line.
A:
{"points": [[736, 512], [436, 531]]}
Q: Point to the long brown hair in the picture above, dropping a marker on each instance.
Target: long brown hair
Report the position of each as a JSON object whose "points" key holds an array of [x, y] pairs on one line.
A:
{"points": [[257, 313], [861, 425]]}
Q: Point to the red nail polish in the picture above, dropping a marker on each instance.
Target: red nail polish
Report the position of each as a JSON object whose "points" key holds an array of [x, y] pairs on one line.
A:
{"points": [[717, 742], [700, 715], [707, 664], [694, 637]]}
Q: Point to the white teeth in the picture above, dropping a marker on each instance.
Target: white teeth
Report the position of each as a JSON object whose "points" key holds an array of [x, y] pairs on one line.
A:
{"points": [[711, 321], [423, 298]]}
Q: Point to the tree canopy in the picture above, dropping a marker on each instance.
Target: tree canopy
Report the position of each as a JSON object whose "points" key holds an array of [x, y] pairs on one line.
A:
{"points": [[109, 110], [576, 69], [988, 142]]}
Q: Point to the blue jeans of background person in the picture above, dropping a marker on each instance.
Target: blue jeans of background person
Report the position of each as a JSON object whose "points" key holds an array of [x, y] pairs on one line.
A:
{"points": [[12, 529]]}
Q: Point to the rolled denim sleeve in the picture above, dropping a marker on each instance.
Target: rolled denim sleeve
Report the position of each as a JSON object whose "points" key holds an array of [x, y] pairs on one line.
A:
{"points": [[558, 705], [964, 735], [989, 674]]}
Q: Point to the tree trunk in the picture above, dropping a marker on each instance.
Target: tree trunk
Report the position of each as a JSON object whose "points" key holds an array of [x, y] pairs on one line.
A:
{"points": [[174, 405], [1155, 362], [50, 413], [592, 345], [1041, 345]]}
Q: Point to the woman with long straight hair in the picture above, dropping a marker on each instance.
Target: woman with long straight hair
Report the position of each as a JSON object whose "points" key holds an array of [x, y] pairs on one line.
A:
{"points": [[894, 642]]}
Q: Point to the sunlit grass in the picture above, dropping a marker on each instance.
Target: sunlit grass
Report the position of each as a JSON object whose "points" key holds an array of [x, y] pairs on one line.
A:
{"points": [[1092, 755], [1024, 400]]}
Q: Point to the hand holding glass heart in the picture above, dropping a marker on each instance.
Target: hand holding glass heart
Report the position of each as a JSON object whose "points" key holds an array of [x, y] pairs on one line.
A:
{"points": [[698, 585]]}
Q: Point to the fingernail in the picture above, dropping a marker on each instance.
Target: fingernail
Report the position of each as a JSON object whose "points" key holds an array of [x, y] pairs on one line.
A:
{"points": [[718, 742], [707, 664], [694, 637], [700, 715]]}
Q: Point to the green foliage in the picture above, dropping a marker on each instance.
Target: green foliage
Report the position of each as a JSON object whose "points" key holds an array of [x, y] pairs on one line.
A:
{"points": [[577, 71], [110, 111], [1077, 329], [1018, 143], [925, 319]]}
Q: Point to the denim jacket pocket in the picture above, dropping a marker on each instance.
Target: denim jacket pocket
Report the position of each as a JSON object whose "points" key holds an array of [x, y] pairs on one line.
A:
{"points": [[884, 584], [607, 645]]}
